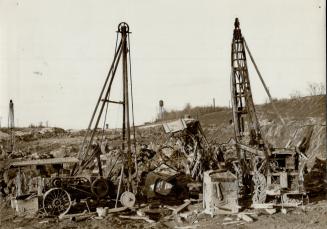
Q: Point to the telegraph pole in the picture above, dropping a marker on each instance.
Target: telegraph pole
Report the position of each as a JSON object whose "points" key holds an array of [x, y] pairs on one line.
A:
{"points": [[11, 126]]}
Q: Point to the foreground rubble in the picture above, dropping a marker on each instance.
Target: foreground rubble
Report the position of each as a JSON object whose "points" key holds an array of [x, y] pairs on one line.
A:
{"points": [[313, 215], [186, 210]]}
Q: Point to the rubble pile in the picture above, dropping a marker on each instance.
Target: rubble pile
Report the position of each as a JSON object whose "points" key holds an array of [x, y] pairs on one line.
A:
{"points": [[176, 182], [315, 181]]}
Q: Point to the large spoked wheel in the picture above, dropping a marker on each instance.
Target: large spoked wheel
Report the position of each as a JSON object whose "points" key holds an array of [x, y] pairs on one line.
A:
{"points": [[56, 201]]}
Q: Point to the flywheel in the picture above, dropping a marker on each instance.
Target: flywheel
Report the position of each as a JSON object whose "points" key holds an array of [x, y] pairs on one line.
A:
{"points": [[56, 201], [100, 187]]}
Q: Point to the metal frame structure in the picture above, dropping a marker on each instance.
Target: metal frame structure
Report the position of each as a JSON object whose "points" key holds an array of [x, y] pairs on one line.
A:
{"points": [[192, 143], [62, 190], [246, 125], [261, 167], [121, 53]]}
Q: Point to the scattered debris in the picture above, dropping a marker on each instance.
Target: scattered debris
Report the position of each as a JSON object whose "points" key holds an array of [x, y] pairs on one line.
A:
{"points": [[315, 181], [114, 210], [137, 218], [271, 211], [220, 192], [181, 207], [187, 227], [44, 222], [263, 206], [245, 217], [233, 222], [27, 204], [189, 150]]}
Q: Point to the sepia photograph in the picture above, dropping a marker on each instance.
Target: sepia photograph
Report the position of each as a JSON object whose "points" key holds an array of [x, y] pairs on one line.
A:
{"points": [[180, 114]]}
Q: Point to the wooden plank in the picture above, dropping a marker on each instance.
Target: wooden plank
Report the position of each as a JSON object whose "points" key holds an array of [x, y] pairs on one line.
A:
{"points": [[251, 150], [181, 207], [262, 206], [137, 218], [60, 160], [271, 211], [113, 210], [245, 217], [232, 222]]}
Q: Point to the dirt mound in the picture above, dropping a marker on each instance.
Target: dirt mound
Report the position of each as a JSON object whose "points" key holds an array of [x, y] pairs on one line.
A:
{"points": [[3, 136], [299, 115]]}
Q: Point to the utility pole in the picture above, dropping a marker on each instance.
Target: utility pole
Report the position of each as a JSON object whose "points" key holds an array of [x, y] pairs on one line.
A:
{"points": [[11, 126]]}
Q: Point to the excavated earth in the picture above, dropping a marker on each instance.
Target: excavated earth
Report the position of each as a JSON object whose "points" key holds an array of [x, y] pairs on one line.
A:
{"points": [[301, 115]]}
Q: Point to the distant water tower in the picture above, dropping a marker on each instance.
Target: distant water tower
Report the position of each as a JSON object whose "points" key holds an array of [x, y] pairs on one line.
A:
{"points": [[11, 117], [161, 109]]}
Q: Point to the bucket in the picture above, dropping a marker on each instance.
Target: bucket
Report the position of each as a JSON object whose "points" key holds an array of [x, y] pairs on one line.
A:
{"points": [[102, 212]]}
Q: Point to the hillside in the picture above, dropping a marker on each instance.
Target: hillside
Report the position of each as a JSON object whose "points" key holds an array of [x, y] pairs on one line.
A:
{"points": [[299, 114]]}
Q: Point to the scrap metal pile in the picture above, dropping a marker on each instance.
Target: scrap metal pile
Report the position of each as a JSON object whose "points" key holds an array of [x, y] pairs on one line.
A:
{"points": [[185, 169], [188, 149]]}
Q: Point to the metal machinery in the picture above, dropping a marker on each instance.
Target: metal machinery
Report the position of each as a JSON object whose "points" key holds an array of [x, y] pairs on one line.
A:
{"points": [[263, 170], [63, 190], [187, 139]]}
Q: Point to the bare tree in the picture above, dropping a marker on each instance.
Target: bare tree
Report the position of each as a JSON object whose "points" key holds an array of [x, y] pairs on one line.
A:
{"points": [[316, 88], [296, 94]]}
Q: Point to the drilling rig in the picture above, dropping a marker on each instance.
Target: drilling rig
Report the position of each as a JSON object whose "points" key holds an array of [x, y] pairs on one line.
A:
{"points": [[262, 169], [79, 184]]}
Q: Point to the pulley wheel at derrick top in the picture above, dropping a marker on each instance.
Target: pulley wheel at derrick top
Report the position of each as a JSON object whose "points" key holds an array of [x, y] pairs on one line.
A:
{"points": [[100, 187], [127, 199]]}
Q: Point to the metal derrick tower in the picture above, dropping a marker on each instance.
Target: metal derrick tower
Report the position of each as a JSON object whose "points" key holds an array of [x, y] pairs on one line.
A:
{"points": [[87, 153], [244, 114]]}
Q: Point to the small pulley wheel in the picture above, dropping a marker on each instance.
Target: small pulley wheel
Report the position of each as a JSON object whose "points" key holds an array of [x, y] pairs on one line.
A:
{"points": [[56, 182], [100, 187], [127, 199], [123, 26]]}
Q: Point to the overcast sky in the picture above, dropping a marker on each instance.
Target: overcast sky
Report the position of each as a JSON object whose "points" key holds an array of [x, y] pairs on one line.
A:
{"points": [[55, 55]]}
